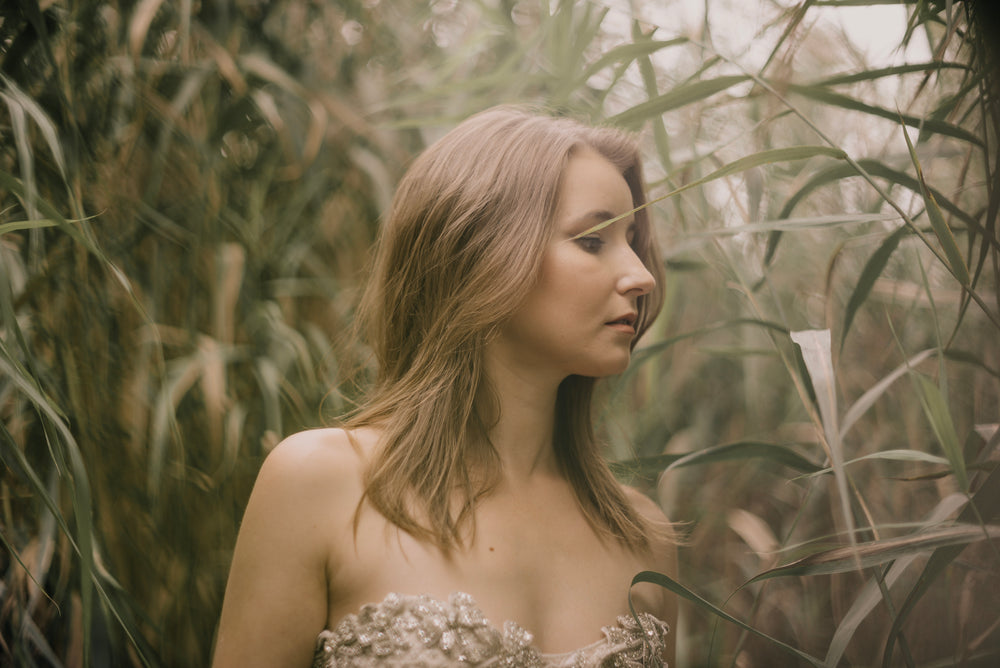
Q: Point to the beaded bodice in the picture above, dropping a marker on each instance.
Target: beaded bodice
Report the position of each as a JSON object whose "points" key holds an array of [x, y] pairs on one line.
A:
{"points": [[422, 631]]}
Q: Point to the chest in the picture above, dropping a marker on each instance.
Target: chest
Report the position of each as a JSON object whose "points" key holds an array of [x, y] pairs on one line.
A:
{"points": [[537, 563]]}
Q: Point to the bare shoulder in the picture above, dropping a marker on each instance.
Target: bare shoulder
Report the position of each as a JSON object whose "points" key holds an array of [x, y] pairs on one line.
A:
{"points": [[308, 455], [317, 464], [662, 558], [295, 525], [662, 555], [643, 504], [651, 513], [319, 453]]}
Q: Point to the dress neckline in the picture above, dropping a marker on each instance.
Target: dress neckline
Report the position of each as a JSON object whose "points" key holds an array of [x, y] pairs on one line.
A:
{"points": [[460, 616]]}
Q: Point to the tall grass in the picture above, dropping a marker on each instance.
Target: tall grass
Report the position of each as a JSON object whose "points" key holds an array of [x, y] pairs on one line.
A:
{"points": [[189, 192]]}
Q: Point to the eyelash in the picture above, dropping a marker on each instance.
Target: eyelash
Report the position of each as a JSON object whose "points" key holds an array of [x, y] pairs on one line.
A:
{"points": [[591, 244], [594, 243]]}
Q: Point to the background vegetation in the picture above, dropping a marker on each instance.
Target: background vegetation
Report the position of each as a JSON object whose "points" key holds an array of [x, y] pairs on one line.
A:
{"points": [[188, 194]]}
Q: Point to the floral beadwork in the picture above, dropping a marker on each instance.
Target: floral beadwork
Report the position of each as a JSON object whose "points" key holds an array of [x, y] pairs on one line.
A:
{"points": [[423, 631]]}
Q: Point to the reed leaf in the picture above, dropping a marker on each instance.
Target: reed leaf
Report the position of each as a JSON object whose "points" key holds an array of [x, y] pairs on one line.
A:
{"points": [[18, 104], [936, 410], [772, 452], [984, 503], [889, 455], [82, 500], [834, 173], [767, 157], [875, 553], [827, 96], [894, 70], [239, 164], [649, 352], [868, 399], [17, 226], [956, 262], [895, 177], [652, 466], [975, 360], [872, 593], [866, 281], [680, 96], [625, 54], [680, 590], [816, 353], [15, 460]]}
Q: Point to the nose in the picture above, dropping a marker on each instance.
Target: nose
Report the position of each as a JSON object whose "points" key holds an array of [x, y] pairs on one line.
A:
{"points": [[635, 280]]}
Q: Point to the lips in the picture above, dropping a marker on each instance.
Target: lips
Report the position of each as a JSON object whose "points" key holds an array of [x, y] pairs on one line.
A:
{"points": [[624, 323]]}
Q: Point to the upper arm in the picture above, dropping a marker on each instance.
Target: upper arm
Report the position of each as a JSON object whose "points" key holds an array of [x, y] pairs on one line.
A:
{"points": [[276, 596]]}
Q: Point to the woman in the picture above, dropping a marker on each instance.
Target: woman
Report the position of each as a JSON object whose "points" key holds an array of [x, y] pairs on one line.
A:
{"points": [[464, 514]]}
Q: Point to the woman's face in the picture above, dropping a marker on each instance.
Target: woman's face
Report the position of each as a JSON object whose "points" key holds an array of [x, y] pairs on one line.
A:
{"points": [[580, 316]]}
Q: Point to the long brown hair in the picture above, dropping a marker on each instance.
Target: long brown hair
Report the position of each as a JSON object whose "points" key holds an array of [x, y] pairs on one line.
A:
{"points": [[459, 251]]}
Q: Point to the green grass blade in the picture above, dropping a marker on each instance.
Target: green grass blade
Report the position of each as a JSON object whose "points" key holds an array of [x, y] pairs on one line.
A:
{"points": [[658, 347], [936, 409], [39, 642], [871, 594], [15, 460], [868, 399], [10, 547], [836, 172], [945, 237], [888, 455], [985, 502], [968, 357], [683, 592], [626, 53], [895, 70], [649, 467], [788, 224], [766, 157], [15, 97], [875, 553], [71, 227], [779, 454], [647, 353], [19, 225], [872, 271], [82, 500], [827, 96], [675, 98], [644, 468], [652, 90], [816, 353]]}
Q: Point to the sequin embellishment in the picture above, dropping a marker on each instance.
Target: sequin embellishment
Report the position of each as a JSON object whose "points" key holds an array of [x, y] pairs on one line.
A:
{"points": [[423, 631]]}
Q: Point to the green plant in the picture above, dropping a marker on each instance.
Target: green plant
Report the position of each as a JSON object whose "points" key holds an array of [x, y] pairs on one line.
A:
{"points": [[188, 193]]}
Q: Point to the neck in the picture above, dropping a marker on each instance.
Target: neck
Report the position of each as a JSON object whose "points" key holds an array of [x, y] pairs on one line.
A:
{"points": [[523, 433]]}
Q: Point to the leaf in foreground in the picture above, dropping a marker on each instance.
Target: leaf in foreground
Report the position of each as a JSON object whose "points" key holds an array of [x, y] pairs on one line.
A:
{"points": [[844, 559], [685, 593]]}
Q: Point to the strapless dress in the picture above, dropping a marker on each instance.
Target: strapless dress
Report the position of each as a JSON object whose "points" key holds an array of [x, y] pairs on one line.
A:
{"points": [[414, 631]]}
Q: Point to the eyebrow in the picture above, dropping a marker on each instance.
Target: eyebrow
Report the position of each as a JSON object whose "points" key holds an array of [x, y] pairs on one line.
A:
{"points": [[604, 218], [600, 215]]}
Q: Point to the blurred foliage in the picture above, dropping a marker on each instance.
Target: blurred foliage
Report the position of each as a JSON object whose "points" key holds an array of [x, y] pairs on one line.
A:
{"points": [[188, 195]]}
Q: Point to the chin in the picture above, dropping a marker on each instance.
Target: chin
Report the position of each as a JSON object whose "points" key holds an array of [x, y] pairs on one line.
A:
{"points": [[606, 368]]}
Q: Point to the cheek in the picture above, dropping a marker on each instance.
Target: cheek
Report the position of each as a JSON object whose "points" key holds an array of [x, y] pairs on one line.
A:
{"points": [[562, 297], [572, 282], [567, 270]]}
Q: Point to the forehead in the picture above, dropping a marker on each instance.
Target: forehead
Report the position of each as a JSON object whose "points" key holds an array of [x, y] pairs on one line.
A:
{"points": [[591, 186]]}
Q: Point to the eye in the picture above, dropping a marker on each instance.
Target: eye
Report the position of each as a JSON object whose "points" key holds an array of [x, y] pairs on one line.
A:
{"points": [[591, 243]]}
